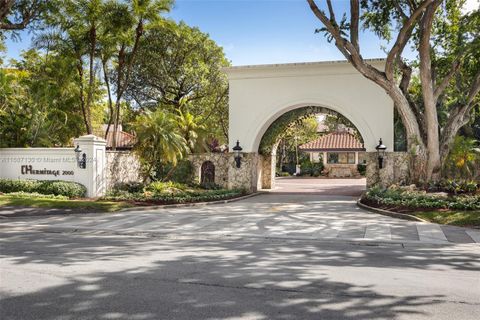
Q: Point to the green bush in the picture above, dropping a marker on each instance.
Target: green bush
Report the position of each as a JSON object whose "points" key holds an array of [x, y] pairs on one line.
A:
{"points": [[362, 169], [169, 187], [282, 174], [422, 200], [313, 169], [64, 188], [131, 187]]}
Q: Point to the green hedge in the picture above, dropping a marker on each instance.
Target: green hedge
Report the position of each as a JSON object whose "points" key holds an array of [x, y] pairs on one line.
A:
{"points": [[63, 188], [419, 200]]}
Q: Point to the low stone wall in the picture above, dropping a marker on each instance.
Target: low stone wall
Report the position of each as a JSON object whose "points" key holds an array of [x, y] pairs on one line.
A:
{"points": [[395, 169], [122, 167], [227, 175], [219, 160], [341, 170]]}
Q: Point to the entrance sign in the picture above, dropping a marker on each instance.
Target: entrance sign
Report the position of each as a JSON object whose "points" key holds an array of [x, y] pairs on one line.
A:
{"points": [[58, 164]]}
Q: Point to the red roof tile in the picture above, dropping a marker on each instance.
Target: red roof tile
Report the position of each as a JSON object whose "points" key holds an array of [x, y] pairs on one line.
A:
{"points": [[336, 141], [124, 139]]}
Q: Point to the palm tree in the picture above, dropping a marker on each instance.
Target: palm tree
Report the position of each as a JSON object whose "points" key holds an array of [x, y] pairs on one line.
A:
{"points": [[190, 128], [158, 141]]}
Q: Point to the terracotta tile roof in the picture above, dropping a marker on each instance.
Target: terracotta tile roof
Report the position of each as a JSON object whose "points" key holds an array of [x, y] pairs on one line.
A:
{"points": [[336, 141], [124, 139]]}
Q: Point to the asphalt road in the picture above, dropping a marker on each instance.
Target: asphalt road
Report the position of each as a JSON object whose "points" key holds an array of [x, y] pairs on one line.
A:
{"points": [[86, 276]]}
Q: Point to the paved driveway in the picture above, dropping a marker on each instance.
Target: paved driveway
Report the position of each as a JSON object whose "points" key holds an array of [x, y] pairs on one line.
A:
{"points": [[284, 213]]}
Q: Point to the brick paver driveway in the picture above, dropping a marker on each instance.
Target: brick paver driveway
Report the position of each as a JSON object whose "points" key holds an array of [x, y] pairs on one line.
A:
{"points": [[327, 211]]}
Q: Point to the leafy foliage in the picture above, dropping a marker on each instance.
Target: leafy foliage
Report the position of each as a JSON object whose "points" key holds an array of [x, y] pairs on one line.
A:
{"points": [[38, 102], [179, 69], [159, 141], [464, 159], [421, 200], [171, 192], [64, 188]]}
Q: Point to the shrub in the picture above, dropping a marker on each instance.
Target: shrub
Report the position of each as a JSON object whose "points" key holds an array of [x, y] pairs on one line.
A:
{"points": [[282, 174], [131, 187], [63, 188], [313, 169], [455, 186], [362, 169], [419, 200], [159, 187]]}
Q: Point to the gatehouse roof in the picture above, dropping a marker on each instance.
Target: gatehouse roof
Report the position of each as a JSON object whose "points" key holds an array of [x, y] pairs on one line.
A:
{"points": [[335, 141]]}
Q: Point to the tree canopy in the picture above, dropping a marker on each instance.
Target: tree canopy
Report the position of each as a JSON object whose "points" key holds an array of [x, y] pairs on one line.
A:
{"points": [[436, 93]]}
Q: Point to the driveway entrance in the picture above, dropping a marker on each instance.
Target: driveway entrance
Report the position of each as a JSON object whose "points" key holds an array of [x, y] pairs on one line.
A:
{"points": [[320, 186]]}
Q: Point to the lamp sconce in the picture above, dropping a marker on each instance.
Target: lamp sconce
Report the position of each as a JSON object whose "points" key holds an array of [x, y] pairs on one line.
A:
{"points": [[81, 160], [237, 151], [381, 148]]}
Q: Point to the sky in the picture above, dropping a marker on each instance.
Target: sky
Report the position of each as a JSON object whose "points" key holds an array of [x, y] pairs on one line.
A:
{"points": [[258, 31]]}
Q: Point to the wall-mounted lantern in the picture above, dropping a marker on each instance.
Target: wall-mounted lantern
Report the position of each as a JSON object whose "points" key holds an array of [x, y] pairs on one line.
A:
{"points": [[81, 160], [380, 153], [237, 151]]}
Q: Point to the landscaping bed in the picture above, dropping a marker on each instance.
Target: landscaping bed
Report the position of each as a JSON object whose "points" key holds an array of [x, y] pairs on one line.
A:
{"points": [[438, 207], [68, 195], [162, 193]]}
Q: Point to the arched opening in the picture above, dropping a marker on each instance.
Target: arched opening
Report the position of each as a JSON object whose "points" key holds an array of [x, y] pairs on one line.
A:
{"points": [[207, 174], [309, 148]]}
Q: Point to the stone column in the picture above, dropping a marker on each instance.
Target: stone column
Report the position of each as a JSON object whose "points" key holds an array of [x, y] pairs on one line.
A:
{"points": [[395, 169], [246, 176], [93, 176]]}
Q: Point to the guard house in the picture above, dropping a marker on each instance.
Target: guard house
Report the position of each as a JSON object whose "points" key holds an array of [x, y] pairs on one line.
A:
{"points": [[339, 151]]}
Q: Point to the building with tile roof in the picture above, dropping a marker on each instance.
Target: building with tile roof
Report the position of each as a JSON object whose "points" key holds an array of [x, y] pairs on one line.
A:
{"points": [[339, 151]]}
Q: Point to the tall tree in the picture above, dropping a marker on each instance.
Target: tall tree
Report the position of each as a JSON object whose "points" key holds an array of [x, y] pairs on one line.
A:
{"points": [[446, 42], [73, 33], [131, 20], [18, 14], [180, 68]]}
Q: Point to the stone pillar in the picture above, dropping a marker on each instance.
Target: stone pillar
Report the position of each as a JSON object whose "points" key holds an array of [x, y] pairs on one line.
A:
{"points": [[267, 171], [93, 176], [356, 157], [325, 159], [395, 169], [246, 176]]}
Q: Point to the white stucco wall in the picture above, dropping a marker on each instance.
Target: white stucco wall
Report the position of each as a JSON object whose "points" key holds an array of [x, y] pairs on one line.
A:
{"points": [[260, 94], [58, 164]]}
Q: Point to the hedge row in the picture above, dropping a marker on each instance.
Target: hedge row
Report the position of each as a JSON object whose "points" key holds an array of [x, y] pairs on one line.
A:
{"points": [[63, 188], [419, 200]]}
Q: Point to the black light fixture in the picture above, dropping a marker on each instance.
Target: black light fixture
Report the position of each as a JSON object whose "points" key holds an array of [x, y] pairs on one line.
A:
{"points": [[380, 153], [237, 150], [81, 161]]}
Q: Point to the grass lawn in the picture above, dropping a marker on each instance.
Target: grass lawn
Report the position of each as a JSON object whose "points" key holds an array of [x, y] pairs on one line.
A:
{"points": [[456, 218], [77, 205]]}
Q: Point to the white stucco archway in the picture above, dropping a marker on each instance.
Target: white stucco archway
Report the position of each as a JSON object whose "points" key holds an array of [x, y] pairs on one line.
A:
{"points": [[258, 95]]}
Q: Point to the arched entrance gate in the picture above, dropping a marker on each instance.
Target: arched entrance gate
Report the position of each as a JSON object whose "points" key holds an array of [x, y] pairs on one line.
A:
{"points": [[258, 95]]}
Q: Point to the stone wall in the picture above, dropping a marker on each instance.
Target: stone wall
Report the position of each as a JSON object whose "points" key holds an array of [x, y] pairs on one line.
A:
{"points": [[227, 175], [395, 169], [219, 160], [267, 172], [247, 175], [122, 167], [341, 170]]}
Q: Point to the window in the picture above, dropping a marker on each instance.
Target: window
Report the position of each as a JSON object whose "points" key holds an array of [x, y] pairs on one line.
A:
{"points": [[332, 157], [341, 157]]}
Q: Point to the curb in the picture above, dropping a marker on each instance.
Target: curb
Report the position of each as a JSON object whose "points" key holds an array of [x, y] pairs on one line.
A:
{"points": [[389, 213], [192, 204]]}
